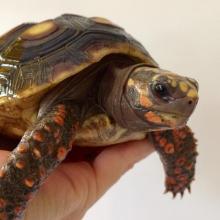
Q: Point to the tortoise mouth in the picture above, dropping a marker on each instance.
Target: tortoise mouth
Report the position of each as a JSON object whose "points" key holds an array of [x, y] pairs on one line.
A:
{"points": [[172, 119]]}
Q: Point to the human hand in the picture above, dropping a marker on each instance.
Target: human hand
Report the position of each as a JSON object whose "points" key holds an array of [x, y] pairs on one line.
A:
{"points": [[74, 187]]}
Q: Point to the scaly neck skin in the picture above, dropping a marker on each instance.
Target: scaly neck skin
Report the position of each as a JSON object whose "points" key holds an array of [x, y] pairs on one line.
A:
{"points": [[112, 98]]}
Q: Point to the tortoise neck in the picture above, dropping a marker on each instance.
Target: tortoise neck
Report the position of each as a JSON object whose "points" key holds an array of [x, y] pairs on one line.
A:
{"points": [[112, 98]]}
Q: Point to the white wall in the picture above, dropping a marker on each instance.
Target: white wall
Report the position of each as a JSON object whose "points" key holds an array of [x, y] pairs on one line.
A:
{"points": [[183, 36]]}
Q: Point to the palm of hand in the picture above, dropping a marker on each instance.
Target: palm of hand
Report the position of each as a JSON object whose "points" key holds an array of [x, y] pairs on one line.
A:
{"points": [[74, 187]]}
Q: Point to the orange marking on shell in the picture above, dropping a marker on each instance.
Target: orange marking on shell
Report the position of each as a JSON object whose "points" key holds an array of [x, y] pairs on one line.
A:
{"points": [[37, 136], [2, 203], [61, 154], [169, 148], [22, 148], [37, 153], [20, 164], [59, 120], [145, 102], [152, 117], [29, 182]]}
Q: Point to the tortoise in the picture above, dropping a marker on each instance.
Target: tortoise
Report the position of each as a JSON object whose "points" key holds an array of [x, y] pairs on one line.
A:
{"points": [[78, 81]]}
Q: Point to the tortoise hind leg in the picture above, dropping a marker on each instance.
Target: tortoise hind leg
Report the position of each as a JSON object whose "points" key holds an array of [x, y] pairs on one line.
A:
{"points": [[40, 150], [177, 150]]}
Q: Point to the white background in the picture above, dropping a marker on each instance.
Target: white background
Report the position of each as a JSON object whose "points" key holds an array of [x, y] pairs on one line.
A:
{"points": [[183, 36]]}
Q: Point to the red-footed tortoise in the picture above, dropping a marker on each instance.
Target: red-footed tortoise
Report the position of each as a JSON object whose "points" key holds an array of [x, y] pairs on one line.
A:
{"points": [[86, 82]]}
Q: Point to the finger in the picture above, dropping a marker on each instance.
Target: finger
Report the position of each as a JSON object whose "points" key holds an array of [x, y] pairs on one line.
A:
{"points": [[113, 162]]}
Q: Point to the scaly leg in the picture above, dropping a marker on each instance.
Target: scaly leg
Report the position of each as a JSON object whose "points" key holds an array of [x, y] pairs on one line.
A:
{"points": [[177, 149], [40, 150]]}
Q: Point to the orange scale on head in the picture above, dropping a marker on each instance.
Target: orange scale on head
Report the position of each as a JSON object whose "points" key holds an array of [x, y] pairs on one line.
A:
{"points": [[145, 101], [152, 117]]}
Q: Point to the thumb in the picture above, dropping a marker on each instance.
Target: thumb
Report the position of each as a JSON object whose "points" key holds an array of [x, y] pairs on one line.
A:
{"points": [[113, 162]]}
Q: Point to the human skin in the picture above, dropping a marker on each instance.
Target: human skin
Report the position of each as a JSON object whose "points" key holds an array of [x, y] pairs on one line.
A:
{"points": [[74, 187]]}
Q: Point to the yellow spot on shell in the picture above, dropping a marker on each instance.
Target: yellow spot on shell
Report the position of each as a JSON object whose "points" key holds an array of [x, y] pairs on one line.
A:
{"points": [[192, 93], [39, 30], [102, 20], [183, 86]]}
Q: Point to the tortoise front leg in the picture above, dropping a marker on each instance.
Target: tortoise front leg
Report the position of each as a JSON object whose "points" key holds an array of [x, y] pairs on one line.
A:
{"points": [[177, 149], [40, 150]]}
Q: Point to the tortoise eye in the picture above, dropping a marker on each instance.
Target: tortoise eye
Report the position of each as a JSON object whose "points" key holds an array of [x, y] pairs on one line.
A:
{"points": [[161, 91]]}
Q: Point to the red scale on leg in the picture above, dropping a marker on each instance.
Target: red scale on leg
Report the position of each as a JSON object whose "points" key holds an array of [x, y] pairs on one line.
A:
{"points": [[38, 153], [177, 148]]}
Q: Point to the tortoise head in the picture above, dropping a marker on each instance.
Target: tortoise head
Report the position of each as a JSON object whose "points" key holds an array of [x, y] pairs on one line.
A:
{"points": [[163, 100]]}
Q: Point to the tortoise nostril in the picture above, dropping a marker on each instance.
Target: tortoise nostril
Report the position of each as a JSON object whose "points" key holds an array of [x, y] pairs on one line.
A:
{"points": [[190, 102]]}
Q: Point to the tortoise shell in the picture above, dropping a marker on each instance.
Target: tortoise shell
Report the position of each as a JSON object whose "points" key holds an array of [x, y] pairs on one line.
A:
{"points": [[36, 56]]}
